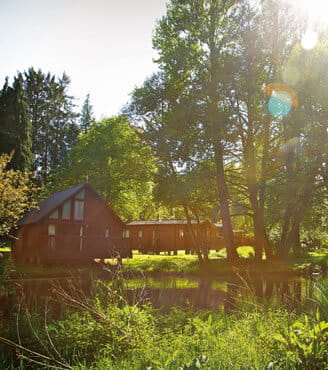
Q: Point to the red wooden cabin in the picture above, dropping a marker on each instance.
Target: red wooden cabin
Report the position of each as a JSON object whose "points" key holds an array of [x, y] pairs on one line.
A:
{"points": [[166, 235], [72, 225], [172, 235]]}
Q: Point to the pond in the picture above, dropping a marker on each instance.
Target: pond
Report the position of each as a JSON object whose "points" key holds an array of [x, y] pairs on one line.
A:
{"points": [[224, 294], [163, 291]]}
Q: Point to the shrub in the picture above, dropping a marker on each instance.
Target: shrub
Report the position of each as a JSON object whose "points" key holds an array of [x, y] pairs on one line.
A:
{"points": [[304, 344]]}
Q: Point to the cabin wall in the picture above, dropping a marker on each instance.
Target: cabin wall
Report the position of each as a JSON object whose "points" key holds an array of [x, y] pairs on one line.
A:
{"points": [[158, 238]]}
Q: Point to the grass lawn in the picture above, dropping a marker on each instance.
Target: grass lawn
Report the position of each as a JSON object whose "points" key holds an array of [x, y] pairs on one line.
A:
{"points": [[218, 265], [187, 263]]}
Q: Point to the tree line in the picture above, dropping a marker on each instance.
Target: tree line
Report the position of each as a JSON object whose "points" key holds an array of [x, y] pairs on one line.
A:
{"points": [[38, 121]]}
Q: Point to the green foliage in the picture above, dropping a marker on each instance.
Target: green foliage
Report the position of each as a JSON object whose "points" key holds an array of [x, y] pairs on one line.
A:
{"points": [[81, 336], [304, 344], [15, 125], [7, 269], [116, 163], [16, 195], [321, 297]]}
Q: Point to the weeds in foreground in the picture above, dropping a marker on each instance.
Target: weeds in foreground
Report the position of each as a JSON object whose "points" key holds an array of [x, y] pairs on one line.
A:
{"points": [[104, 330]]}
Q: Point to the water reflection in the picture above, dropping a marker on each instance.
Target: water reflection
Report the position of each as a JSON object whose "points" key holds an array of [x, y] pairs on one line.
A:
{"points": [[164, 291], [227, 294]]}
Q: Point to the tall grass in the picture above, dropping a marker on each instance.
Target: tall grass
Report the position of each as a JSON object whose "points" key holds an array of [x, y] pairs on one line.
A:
{"points": [[321, 298]]}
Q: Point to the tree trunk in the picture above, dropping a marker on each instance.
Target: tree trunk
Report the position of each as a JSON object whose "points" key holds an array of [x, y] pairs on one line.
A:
{"points": [[224, 203], [256, 194], [204, 249], [193, 236], [290, 238], [217, 132]]}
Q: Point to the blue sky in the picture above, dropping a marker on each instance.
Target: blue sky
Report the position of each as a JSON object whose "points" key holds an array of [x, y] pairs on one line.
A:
{"points": [[104, 46]]}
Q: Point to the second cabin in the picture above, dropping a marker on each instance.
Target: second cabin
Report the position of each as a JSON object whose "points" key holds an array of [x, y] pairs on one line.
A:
{"points": [[157, 236]]}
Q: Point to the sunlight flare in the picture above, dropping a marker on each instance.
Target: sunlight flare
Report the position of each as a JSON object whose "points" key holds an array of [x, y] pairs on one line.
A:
{"points": [[282, 99], [316, 10], [309, 40]]}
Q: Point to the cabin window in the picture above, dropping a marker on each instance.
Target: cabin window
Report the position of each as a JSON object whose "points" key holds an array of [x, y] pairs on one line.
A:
{"points": [[207, 232], [66, 211], [181, 233], [78, 210], [51, 230], [81, 238], [106, 233], [52, 233], [126, 233], [80, 195], [140, 233], [54, 214]]}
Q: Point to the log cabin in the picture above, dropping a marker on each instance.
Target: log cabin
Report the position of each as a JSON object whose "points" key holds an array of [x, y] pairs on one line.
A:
{"points": [[165, 235], [73, 225], [157, 236]]}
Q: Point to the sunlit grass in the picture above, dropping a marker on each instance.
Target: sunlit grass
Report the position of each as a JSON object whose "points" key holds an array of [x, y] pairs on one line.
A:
{"points": [[314, 261], [5, 249], [218, 264]]}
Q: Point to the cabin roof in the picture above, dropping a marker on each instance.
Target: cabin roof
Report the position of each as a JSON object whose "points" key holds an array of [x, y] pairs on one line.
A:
{"points": [[49, 204], [162, 222]]}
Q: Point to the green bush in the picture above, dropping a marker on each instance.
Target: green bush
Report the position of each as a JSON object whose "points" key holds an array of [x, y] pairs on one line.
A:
{"points": [[304, 345]]}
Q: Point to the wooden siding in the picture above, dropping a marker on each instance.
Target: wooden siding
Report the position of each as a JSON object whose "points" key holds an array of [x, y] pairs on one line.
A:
{"points": [[163, 237]]}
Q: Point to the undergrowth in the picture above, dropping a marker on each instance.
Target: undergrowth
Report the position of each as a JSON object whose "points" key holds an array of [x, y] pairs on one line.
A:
{"points": [[104, 331]]}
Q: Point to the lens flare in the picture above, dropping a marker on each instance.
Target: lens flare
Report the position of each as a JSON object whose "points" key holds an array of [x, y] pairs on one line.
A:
{"points": [[282, 99], [309, 40], [280, 104]]}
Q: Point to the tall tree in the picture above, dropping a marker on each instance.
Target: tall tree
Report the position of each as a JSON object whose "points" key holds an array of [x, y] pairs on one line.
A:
{"points": [[194, 42], [264, 37], [113, 159], [15, 125], [87, 115], [54, 130]]}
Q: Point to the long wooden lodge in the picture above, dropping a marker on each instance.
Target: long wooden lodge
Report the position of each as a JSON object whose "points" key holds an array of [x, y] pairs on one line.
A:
{"points": [[72, 225], [156, 236]]}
